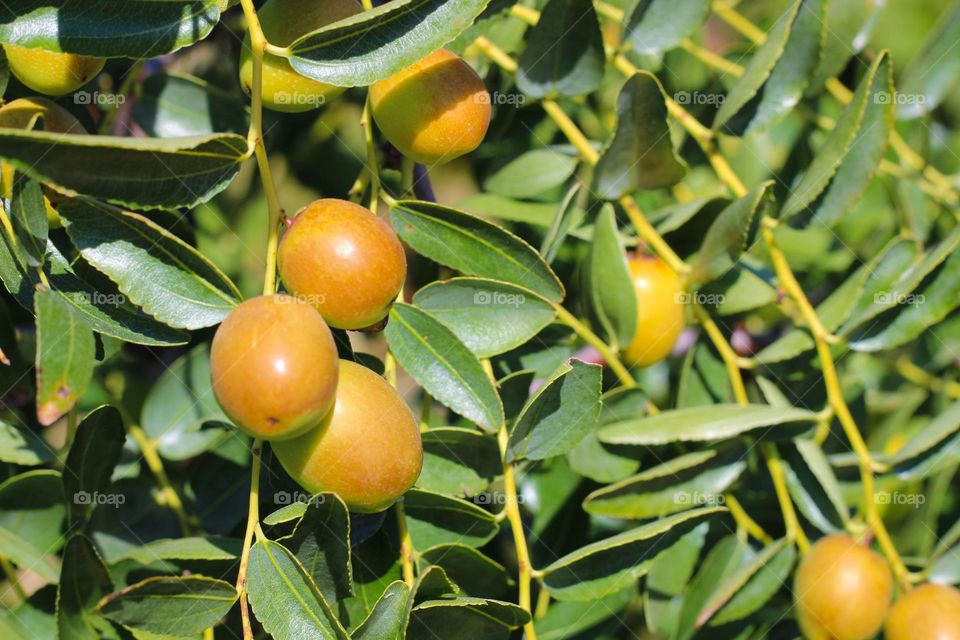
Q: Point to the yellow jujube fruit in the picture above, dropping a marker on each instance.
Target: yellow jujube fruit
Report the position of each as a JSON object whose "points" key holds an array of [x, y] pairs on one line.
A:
{"points": [[660, 311], [50, 72]]}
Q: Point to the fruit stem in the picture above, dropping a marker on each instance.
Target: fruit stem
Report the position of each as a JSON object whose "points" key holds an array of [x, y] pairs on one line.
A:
{"points": [[727, 354], [835, 397], [588, 336], [406, 544], [795, 532], [170, 496], [373, 164], [258, 44], [711, 59], [406, 177], [253, 523], [744, 520]]}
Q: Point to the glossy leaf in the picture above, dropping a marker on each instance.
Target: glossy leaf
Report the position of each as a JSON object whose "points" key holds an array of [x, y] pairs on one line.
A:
{"points": [[28, 216], [375, 44], [133, 172], [847, 27], [562, 411], [109, 28], [656, 26], [640, 155], [608, 282], [472, 571], [434, 356], [194, 548], [172, 105], [321, 542], [435, 519], [477, 618], [474, 247], [388, 618], [564, 52], [611, 564], [94, 453], [751, 586], [65, 352], [458, 462], [703, 424], [490, 317], [84, 580], [176, 606], [23, 446], [31, 520], [531, 174]]}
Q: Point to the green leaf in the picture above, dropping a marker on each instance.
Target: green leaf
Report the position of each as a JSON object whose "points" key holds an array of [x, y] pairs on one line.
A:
{"points": [[474, 246], [458, 462], [657, 26], [564, 620], [757, 71], [28, 215], [731, 234], [693, 479], [94, 453], [933, 441], [749, 588], [159, 272], [321, 542], [109, 28], [31, 520], [23, 446], [609, 283], [172, 105], [209, 548], [489, 316], [611, 564], [814, 487], [847, 27], [932, 73], [135, 172], [175, 606], [84, 580], [531, 174], [475, 573], [65, 352], [474, 618], [722, 560], [640, 155], [916, 312], [667, 579], [375, 44], [564, 52], [388, 618], [703, 424], [558, 416], [435, 519], [284, 598], [179, 403], [846, 161], [565, 218], [441, 364]]}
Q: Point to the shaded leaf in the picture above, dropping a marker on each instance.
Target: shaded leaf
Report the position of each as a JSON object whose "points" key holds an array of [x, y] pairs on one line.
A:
{"points": [[458, 462], [608, 282], [94, 453], [172, 105], [656, 26], [388, 618], [175, 606], [84, 580], [435, 519], [65, 353], [31, 520], [531, 173], [321, 542]]}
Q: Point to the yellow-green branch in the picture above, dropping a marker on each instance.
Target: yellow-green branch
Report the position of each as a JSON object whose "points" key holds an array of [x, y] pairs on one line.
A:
{"points": [[170, 496], [253, 524]]}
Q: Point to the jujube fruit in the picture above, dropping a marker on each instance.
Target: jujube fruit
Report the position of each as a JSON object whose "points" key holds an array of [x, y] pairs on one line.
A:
{"points": [[273, 364], [842, 590], [433, 111], [20, 114], [367, 450], [345, 261], [51, 72], [283, 21], [660, 311], [928, 611]]}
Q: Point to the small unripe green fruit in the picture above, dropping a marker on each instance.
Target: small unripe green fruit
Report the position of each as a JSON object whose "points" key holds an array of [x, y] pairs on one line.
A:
{"points": [[660, 311], [284, 21], [50, 72], [345, 261], [367, 450], [433, 111], [842, 590], [20, 114], [928, 611], [274, 367]]}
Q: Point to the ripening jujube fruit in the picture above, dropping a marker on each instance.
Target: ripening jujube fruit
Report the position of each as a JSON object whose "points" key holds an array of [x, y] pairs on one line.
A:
{"points": [[22, 113], [433, 111], [367, 450], [928, 611], [50, 72], [273, 364], [842, 590], [344, 260], [284, 21], [660, 310]]}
